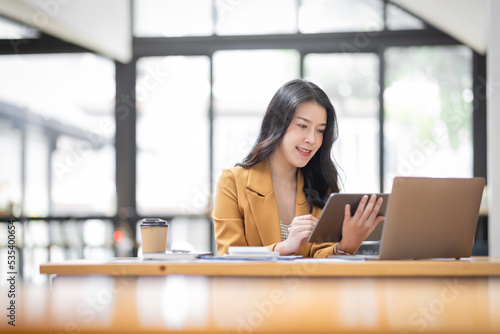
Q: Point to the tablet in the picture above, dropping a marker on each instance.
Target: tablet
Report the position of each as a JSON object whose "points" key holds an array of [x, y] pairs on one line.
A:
{"points": [[329, 225]]}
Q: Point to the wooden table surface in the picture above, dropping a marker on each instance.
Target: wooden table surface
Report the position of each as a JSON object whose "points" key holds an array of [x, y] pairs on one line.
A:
{"points": [[128, 295], [474, 267], [287, 304]]}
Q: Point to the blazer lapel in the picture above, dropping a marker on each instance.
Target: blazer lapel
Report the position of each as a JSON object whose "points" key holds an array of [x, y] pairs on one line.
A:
{"points": [[262, 202]]}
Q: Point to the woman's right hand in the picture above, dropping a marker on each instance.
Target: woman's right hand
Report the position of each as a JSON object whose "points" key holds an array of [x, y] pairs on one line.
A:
{"points": [[358, 227], [300, 230]]}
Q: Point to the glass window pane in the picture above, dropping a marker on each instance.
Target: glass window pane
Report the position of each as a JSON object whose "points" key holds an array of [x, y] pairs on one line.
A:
{"points": [[98, 233], [36, 234], [351, 83], [168, 18], [173, 135], [241, 96], [36, 200], [69, 115], [248, 88], [83, 177], [428, 127], [233, 139], [68, 89], [10, 166], [240, 17], [398, 19], [320, 16]]}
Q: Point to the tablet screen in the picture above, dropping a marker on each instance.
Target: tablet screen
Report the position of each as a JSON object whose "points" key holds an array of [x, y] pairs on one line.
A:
{"points": [[329, 225]]}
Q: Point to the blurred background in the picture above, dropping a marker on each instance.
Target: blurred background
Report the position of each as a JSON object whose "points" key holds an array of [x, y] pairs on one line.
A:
{"points": [[90, 144]]}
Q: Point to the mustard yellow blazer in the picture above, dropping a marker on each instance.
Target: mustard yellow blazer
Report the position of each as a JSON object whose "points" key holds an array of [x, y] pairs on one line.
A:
{"points": [[246, 214]]}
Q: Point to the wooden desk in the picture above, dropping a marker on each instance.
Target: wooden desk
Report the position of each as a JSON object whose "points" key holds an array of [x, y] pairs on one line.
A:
{"points": [[322, 300], [475, 267]]}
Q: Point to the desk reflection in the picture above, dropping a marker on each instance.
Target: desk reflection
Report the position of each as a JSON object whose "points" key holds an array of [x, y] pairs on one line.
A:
{"points": [[260, 305], [173, 302]]}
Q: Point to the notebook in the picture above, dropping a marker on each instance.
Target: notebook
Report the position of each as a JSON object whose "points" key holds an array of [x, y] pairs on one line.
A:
{"points": [[175, 255], [431, 218]]}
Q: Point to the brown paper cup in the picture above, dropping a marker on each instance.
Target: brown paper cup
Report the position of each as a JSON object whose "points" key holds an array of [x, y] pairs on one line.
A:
{"points": [[154, 235]]}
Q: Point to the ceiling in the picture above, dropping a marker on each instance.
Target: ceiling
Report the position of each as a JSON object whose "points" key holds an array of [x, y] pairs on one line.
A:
{"points": [[465, 20], [101, 26], [106, 26]]}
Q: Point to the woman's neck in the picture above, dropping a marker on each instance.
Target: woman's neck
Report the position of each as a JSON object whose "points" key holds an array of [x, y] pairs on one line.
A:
{"points": [[282, 171]]}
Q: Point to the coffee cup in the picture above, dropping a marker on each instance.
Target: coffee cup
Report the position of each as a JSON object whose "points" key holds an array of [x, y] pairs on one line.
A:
{"points": [[154, 235]]}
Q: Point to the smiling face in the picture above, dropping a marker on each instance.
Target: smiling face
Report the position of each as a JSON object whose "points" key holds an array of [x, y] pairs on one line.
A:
{"points": [[304, 136]]}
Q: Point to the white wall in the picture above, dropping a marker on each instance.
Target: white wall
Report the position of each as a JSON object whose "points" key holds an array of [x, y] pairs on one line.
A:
{"points": [[493, 125]]}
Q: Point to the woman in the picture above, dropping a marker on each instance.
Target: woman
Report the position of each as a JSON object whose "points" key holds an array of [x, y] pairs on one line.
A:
{"points": [[274, 197]]}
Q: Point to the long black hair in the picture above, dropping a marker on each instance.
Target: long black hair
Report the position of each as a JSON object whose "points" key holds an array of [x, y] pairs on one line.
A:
{"points": [[320, 173]]}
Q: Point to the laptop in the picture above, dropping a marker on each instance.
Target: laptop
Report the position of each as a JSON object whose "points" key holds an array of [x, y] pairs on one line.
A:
{"points": [[430, 218]]}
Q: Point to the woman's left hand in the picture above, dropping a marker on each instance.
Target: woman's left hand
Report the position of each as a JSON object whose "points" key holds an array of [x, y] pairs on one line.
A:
{"points": [[358, 227]]}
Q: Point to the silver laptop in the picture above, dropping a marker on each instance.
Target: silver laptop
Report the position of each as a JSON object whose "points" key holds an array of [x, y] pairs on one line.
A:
{"points": [[431, 218]]}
